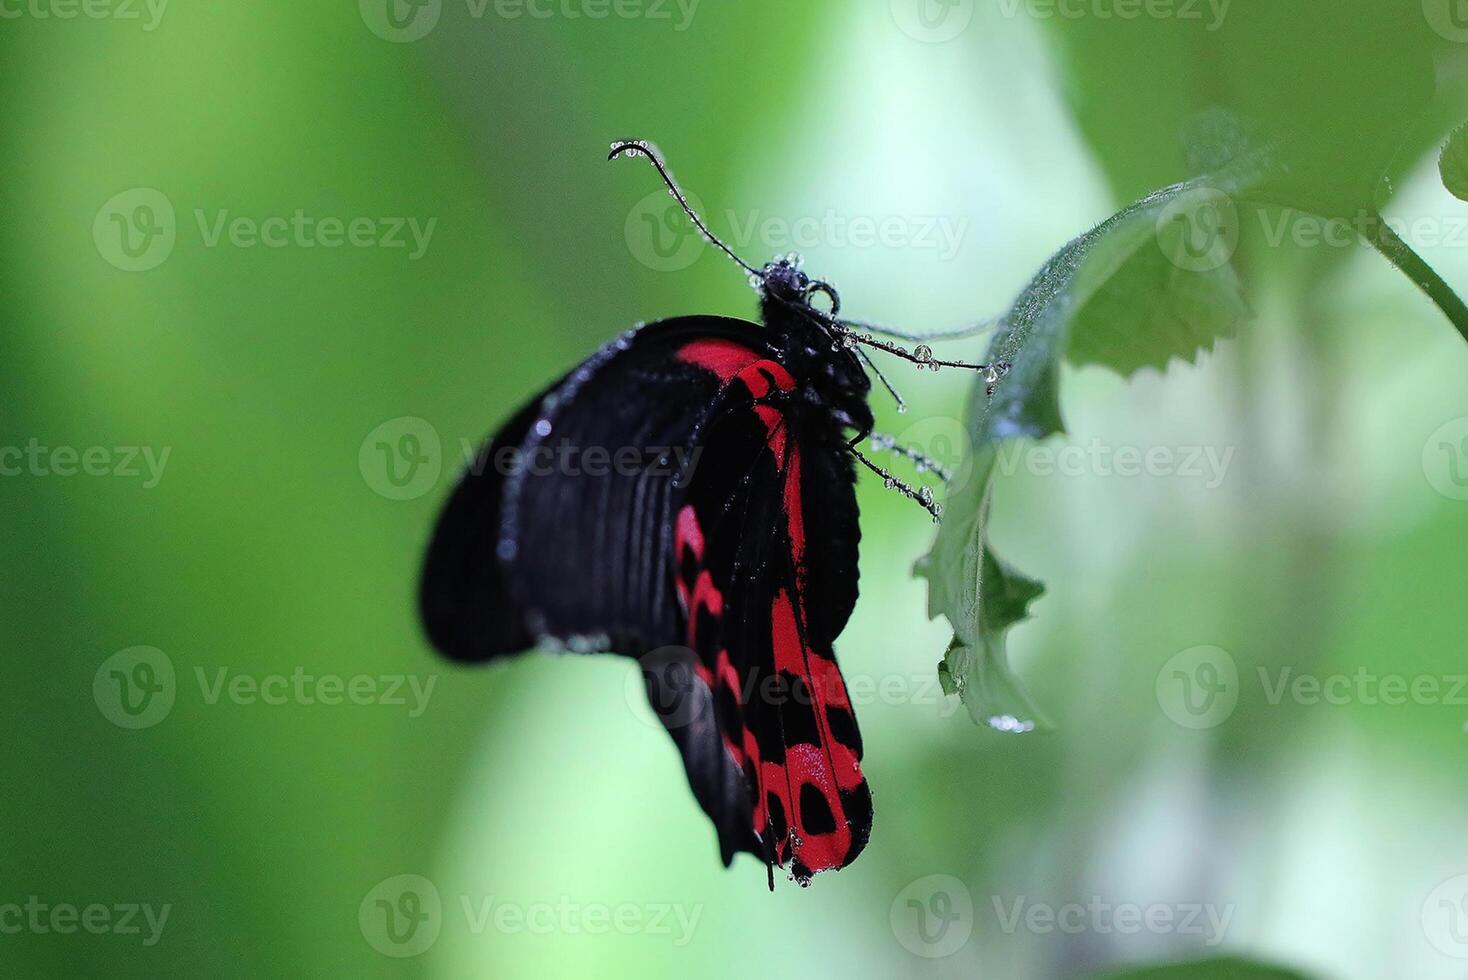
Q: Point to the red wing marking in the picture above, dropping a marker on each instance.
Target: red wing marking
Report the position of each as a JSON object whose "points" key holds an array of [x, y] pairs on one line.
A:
{"points": [[774, 421], [823, 778], [726, 358], [730, 360], [689, 534]]}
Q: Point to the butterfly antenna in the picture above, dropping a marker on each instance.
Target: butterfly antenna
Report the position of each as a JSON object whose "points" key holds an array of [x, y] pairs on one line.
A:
{"points": [[642, 148]]}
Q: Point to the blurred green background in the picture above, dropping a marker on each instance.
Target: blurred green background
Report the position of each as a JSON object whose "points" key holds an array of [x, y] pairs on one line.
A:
{"points": [[925, 157]]}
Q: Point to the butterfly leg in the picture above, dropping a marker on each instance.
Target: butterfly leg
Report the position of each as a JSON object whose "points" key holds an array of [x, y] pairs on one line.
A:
{"points": [[970, 330], [924, 463], [923, 495]]}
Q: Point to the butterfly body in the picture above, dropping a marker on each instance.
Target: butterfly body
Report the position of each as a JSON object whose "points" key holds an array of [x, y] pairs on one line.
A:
{"points": [[723, 556]]}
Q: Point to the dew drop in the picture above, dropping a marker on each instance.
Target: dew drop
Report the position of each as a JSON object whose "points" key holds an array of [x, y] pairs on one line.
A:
{"points": [[925, 496], [890, 483], [923, 354]]}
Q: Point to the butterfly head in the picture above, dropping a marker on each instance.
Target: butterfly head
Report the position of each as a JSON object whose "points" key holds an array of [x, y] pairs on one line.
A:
{"points": [[785, 282]]}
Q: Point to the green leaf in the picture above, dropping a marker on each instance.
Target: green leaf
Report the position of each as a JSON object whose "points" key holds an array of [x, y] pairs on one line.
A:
{"points": [[1453, 163], [1156, 282], [1340, 133], [1164, 259], [1220, 968]]}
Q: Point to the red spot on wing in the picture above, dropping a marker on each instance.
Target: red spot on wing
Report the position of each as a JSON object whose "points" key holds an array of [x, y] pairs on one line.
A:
{"points": [[774, 421], [818, 852], [726, 358], [688, 536], [726, 673], [705, 598], [795, 513], [729, 359], [822, 678], [758, 376]]}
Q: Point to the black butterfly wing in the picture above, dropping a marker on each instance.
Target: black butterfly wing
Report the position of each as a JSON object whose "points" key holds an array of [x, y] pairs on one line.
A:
{"points": [[724, 556], [561, 529]]}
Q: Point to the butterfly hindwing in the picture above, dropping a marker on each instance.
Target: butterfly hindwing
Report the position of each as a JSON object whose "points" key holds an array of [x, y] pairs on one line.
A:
{"points": [[766, 543]]}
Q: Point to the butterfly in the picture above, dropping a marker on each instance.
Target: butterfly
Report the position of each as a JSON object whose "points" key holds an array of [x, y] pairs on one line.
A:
{"points": [[715, 540]]}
